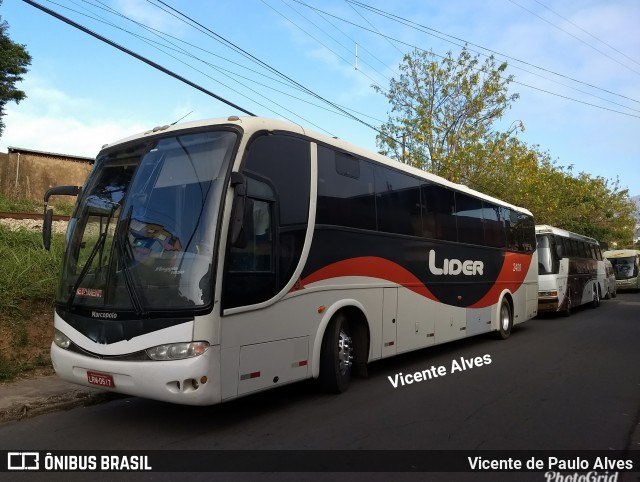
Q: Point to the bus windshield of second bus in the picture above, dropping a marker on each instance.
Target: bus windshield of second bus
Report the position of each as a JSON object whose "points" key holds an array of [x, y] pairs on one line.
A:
{"points": [[626, 264]]}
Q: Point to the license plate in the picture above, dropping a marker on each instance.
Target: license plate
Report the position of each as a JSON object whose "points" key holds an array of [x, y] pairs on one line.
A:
{"points": [[100, 379]]}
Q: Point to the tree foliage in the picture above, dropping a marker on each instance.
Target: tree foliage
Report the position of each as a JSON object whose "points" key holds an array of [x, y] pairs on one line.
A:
{"points": [[442, 112], [442, 120], [14, 60]]}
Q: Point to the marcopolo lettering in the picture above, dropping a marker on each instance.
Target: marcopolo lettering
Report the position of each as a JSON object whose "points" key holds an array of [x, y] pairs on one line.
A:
{"points": [[104, 314], [454, 266]]}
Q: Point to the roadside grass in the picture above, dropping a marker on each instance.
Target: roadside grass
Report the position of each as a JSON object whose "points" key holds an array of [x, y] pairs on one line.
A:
{"points": [[23, 205], [27, 289]]}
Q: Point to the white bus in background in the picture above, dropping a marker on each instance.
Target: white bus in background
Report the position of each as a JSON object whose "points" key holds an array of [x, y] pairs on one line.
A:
{"points": [[214, 259], [626, 263], [571, 270]]}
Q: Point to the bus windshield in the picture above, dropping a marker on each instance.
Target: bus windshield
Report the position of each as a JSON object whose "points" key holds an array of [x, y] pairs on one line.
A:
{"points": [[547, 260], [624, 268], [143, 233]]}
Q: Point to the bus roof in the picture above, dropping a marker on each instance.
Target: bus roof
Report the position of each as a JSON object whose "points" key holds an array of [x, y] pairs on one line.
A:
{"points": [[250, 125], [621, 253], [545, 228]]}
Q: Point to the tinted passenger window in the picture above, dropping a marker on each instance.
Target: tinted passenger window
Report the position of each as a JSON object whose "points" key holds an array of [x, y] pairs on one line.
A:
{"points": [[469, 214], [284, 162], [526, 233], [494, 234], [438, 215], [397, 202], [511, 223], [343, 198]]}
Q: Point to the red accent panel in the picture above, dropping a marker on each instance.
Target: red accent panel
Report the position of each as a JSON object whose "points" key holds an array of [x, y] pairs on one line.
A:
{"points": [[513, 272], [371, 267]]}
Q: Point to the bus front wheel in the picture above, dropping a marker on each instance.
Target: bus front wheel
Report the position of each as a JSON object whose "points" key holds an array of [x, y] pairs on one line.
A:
{"points": [[505, 321], [336, 355]]}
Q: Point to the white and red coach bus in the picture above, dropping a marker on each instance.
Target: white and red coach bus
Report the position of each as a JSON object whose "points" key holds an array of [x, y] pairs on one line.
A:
{"points": [[214, 259]]}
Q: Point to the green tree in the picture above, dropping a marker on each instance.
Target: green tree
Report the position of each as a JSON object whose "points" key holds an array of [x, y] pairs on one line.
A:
{"points": [[528, 177], [14, 60], [442, 113]]}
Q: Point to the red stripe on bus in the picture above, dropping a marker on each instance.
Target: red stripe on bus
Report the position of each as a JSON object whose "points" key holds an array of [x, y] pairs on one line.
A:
{"points": [[512, 274], [514, 270], [371, 267]]}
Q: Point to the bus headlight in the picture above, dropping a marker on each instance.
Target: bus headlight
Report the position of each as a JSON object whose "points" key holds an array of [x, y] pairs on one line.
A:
{"points": [[61, 340], [177, 351]]}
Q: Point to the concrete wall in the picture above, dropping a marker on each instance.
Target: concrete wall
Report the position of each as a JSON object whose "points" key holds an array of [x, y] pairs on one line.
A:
{"points": [[29, 175]]}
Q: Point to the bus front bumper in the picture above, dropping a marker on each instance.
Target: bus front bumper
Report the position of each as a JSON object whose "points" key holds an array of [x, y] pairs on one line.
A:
{"points": [[192, 381], [626, 284]]}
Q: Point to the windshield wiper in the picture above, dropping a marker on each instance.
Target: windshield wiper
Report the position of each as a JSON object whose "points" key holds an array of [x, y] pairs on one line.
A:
{"points": [[124, 254], [97, 247]]}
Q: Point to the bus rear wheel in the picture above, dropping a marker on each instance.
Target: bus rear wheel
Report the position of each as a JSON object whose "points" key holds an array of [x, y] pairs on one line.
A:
{"points": [[567, 306], [595, 302], [505, 321], [336, 355]]}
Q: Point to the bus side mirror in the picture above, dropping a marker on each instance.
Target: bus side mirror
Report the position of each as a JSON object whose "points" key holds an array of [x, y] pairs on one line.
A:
{"points": [[239, 183], [48, 213]]}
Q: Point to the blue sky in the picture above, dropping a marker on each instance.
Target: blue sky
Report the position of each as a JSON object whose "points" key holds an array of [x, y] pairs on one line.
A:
{"points": [[83, 93]]}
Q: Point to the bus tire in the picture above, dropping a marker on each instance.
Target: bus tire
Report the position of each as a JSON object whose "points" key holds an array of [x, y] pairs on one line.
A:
{"points": [[505, 320], [567, 305], [595, 302], [336, 355]]}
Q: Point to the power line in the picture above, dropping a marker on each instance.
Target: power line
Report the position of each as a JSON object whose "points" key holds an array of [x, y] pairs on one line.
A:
{"points": [[429, 30], [236, 48], [159, 46], [520, 68], [163, 48], [588, 33], [573, 36], [441, 56], [135, 55], [348, 49]]}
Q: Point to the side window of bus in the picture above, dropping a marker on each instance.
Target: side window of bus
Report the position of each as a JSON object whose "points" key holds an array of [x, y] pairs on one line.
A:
{"points": [[582, 249], [284, 161], [469, 219], [438, 213], [510, 224], [278, 171], [521, 233], [256, 255], [250, 271], [494, 234], [561, 251], [397, 202], [345, 190], [526, 233]]}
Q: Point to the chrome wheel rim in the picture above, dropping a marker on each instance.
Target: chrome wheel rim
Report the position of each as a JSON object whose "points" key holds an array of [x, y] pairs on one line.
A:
{"points": [[345, 352], [504, 317]]}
